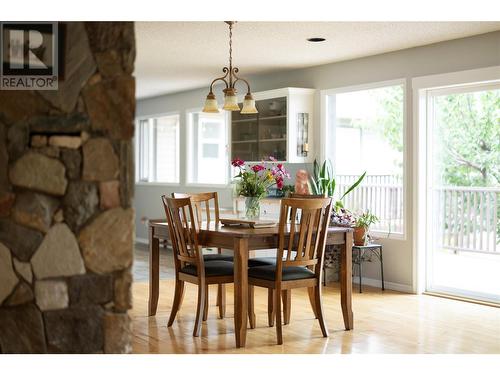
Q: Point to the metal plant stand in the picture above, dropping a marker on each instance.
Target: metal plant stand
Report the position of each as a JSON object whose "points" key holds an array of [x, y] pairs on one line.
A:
{"points": [[365, 253]]}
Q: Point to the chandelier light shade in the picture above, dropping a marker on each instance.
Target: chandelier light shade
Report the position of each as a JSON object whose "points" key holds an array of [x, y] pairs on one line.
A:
{"points": [[248, 105], [211, 105], [230, 78]]}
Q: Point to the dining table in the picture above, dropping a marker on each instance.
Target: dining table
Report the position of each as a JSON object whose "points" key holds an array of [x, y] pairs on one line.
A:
{"points": [[243, 241]]}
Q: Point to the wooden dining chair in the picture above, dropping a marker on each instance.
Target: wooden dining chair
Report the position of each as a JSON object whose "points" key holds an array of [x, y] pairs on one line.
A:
{"points": [[286, 295], [203, 205], [188, 258], [302, 265]]}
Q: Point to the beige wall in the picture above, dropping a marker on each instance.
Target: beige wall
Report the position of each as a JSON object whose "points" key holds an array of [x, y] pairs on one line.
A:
{"points": [[456, 55]]}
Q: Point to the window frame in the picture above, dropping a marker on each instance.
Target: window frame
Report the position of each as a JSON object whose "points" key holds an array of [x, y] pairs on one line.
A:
{"points": [[327, 129], [188, 113], [152, 117]]}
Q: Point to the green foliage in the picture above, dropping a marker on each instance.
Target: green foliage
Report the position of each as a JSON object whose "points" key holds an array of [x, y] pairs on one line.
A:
{"points": [[365, 219], [323, 182], [250, 184], [468, 130], [390, 115], [353, 186]]}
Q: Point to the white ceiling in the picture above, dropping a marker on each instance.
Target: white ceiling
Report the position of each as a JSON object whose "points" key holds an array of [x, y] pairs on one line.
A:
{"points": [[178, 56]]}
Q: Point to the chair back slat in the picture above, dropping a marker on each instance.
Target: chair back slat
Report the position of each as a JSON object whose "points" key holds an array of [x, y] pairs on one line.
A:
{"points": [[307, 236], [293, 217], [183, 229], [203, 204]]}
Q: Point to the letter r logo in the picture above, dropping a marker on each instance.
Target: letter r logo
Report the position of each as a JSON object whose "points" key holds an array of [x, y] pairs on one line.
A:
{"points": [[18, 45]]}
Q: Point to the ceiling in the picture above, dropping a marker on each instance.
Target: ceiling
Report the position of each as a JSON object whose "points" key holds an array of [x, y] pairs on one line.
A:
{"points": [[178, 56]]}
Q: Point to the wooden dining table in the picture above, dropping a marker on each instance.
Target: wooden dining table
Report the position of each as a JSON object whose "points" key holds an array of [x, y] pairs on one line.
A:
{"points": [[242, 241]]}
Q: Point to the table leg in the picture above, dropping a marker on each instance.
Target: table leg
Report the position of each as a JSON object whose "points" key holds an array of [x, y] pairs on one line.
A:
{"points": [[346, 281], [240, 290], [382, 268], [154, 272]]}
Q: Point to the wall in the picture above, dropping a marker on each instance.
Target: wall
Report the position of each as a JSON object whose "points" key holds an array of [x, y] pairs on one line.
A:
{"points": [[66, 186], [455, 55]]}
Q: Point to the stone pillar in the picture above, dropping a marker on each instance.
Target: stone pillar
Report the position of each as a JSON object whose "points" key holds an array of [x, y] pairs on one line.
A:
{"points": [[66, 186]]}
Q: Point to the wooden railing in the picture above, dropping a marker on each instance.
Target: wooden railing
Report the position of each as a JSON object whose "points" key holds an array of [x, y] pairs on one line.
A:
{"points": [[468, 218], [381, 194]]}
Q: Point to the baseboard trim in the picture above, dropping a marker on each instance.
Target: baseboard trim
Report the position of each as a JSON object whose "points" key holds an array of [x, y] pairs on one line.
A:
{"points": [[144, 241], [388, 285], [463, 299]]}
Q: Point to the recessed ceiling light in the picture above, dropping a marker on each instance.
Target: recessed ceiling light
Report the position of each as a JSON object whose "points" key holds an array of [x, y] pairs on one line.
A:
{"points": [[316, 40]]}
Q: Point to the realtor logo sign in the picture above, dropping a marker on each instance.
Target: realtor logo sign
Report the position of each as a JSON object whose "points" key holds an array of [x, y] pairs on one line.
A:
{"points": [[29, 55]]}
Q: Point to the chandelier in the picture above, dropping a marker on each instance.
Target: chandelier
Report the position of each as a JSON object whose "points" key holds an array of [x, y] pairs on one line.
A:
{"points": [[230, 78]]}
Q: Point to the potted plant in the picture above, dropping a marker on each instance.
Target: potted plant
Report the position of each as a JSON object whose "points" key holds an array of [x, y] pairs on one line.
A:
{"points": [[362, 224], [253, 181], [323, 182]]}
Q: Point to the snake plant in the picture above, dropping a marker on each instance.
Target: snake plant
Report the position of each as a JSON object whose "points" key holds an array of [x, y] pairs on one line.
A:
{"points": [[323, 181]]}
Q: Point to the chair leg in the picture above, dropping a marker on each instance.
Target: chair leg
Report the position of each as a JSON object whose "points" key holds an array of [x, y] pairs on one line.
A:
{"points": [[319, 309], [221, 300], [277, 307], [205, 307], [312, 301], [270, 307], [199, 310], [286, 295], [178, 294], [251, 306]]}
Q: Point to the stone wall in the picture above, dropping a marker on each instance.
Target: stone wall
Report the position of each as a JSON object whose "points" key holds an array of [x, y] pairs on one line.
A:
{"points": [[66, 185]]}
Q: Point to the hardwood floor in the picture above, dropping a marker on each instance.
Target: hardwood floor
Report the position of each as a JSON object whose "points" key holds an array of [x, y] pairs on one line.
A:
{"points": [[384, 322]]}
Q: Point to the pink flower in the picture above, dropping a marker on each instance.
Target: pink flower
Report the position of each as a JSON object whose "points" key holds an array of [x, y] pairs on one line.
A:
{"points": [[272, 158], [279, 183], [257, 168], [237, 162]]}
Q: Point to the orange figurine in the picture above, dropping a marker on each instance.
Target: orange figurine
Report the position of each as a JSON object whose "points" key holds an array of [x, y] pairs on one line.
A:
{"points": [[302, 182]]}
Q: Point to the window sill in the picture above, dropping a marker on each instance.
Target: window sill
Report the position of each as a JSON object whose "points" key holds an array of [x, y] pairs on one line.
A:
{"points": [[388, 236]]}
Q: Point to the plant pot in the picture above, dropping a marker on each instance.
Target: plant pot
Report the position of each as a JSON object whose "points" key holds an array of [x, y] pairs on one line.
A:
{"points": [[360, 238]]}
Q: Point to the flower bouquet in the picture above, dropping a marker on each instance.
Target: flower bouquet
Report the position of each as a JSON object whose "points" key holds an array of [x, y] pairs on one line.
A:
{"points": [[253, 181]]}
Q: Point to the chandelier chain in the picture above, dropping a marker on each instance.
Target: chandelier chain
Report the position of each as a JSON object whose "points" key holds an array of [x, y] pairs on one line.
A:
{"points": [[230, 47]]}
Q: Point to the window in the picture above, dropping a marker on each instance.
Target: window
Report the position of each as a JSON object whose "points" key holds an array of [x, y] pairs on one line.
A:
{"points": [[207, 148], [367, 135], [158, 149]]}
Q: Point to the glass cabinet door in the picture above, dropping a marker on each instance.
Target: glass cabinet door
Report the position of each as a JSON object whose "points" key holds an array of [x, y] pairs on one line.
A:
{"points": [[260, 136]]}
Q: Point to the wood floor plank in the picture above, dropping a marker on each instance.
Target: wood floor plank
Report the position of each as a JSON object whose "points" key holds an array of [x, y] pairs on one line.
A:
{"points": [[385, 322]]}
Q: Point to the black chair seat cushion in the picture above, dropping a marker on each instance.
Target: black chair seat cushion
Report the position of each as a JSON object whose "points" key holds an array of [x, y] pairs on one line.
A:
{"points": [[261, 261], [212, 268], [212, 257], [289, 273]]}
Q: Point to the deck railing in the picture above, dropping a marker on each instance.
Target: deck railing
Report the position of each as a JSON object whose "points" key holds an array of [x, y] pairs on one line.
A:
{"points": [[381, 194], [464, 218], [468, 218]]}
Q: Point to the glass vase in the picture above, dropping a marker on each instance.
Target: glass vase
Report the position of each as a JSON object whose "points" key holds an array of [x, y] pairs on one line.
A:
{"points": [[252, 207]]}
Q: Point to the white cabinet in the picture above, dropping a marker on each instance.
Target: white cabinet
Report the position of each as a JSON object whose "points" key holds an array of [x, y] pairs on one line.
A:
{"points": [[283, 128]]}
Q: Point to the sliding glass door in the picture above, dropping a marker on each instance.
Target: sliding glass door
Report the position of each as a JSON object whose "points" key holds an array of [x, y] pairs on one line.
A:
{"points": [[463, 188]]}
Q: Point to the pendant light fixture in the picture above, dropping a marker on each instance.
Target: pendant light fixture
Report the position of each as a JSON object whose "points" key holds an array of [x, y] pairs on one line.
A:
{"points": [[230, 78]]}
